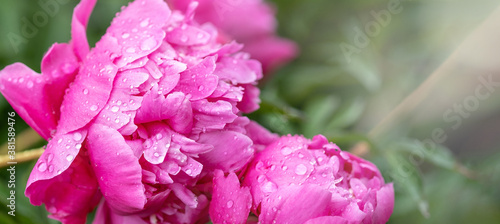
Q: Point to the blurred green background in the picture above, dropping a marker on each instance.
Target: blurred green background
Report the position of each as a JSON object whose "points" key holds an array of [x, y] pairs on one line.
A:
{"points": [[392, 81]]}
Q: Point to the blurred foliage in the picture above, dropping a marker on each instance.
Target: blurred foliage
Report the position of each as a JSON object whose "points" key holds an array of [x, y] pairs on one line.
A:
{"points": [[325, 92]]}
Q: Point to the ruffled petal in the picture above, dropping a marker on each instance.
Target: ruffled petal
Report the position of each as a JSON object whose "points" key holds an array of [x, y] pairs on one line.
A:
{"points": [[199, 80], [117, 169], [70, 196], [232, 150], [385, 204], [230, 202], [57, 157], [78, 28], [295, 204], [105, 215]]}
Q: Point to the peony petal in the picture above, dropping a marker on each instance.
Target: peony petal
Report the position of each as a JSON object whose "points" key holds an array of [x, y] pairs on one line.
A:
{"points": [[385, 204], [250, 101], [199, 80], [213, 115], [295, 204], [238, 71], [232, 150], [138, 29], [158, 143], [117, 169], [105, 215], [94, 83], [157, 107], [187, 35], [230, 202], [327, 220], [69, 196], [278, 51], [57, 157], [78, 28], [29, 93]]}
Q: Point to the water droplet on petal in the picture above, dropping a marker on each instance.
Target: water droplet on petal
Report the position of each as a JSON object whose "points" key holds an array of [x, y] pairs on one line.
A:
{"points": [[115, 109], [77, 136], [30, 84], [50, 156], [130, 50], [286, 151], [144, 23], [69, 157], [93, 107], [85, 91], [301, 169], [78, 146], [261, 178], [230, 204], [156, 154], [301, 155], [42, 167], [284, 168], [269, 187], [159, 136], [148, 44], [51, 168], [125, 35]]}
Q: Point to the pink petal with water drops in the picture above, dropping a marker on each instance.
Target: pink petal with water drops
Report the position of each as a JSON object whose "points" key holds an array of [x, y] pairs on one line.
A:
{"points": [[230, 202], [26, 92], [157, 107], [57, 157], [232, 150], [327, 220], [78, 28], [213, 115], [187, 35], [250, 101], [73, 194], [158, 143], [116, 168], [94, 83], [385, 204], [106, 215], [138, 29], [295, 204], [130, 80], [199, 80], [238, 71]]}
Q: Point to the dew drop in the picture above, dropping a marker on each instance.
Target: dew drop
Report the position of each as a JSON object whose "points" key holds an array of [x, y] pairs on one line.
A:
{"points": [[269, 187], [93, 107], [117, 120], [144, 23], [301, 169], [301, 155], [50, 156], [130, 50], [85, 91], [59, 141], [200, 88], [230, 204], [77, 136], [159, 136], [148, 44], [156, 154], [42, 167], [115, 109], [21, 80], [69, 157], [184, 38], [78, 146], [30, 84], [261, 178], [286, 151], [51, 168], [284, 168]]}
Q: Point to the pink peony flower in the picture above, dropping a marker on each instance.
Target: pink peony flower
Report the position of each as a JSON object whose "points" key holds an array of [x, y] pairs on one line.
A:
{"points": [[139, 119], [296, 180], [250, 22]]}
